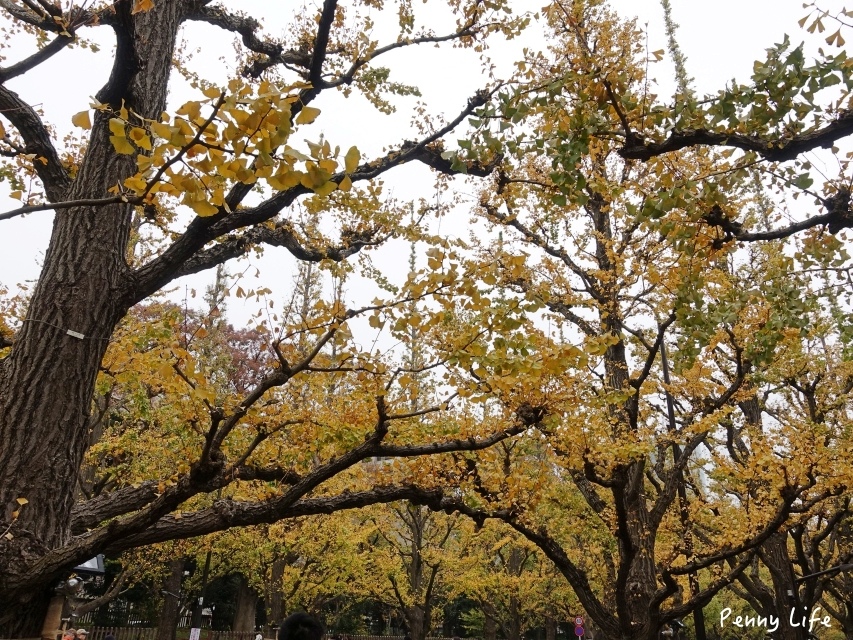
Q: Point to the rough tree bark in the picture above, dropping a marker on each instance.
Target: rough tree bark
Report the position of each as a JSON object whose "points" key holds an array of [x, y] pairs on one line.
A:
{"points": [[83, 291], [275, 593], [247, 606], [167, 621], [490, 625], [550, 628]]}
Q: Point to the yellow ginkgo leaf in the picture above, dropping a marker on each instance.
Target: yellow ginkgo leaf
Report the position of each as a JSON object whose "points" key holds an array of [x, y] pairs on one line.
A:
{"points": [[117, 127], [140, 137], [142, 5], [121, 145], [162, 130], [191, 109], [351, 159], [325, 188], [203, 208], [307, 115], [81, 120]]}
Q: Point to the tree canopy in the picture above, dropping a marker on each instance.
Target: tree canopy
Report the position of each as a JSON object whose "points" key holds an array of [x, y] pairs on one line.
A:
{"points": [[647, 328]]}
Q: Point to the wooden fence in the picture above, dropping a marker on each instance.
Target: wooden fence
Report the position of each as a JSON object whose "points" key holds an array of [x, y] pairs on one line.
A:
{"points": [[123, 633], [150, 633]]}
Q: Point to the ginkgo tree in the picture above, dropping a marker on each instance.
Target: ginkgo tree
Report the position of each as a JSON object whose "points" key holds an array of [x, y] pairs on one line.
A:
{"points": [[627, 219], [229, 156]]}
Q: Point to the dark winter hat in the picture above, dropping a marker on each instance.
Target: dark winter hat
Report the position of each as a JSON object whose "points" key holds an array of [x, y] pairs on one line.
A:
{"points": [[301, 626]]}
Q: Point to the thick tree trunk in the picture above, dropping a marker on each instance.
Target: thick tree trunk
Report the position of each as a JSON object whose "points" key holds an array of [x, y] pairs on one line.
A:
{"points": [[167, 621], [512, 628], [636, 578], [47, 381], [774, 553], [550, 628], [415, 618], [247, 606], [490, 625], [275, 594]]}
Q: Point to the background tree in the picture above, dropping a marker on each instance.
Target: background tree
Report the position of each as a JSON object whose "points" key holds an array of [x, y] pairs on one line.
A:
{"points": [[516, 587], [628, 260], [413, 561]]}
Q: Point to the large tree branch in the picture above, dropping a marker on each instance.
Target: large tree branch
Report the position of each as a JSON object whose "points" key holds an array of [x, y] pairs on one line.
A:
{"points": [[37, 141], [248, 29], [468, 444], [282, 235], [575, 576], [637, 381], [321, 45], [782, 513], [776, 150], [19, 68], [707, 594], [154, 523], [91, 513], [674, 479], [165, 268], [838, 216]]}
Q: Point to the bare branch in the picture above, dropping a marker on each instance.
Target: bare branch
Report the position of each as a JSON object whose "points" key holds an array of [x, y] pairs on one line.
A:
{"points": [[37, 18], [246, 27], [349, 76], [53, 47], [838, 216], [37, 142], [113, 592], [777, 150], [282, 235]]}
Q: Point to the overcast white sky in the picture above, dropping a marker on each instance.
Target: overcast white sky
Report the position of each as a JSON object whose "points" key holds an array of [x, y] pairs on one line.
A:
{"points": [[721, 39]]}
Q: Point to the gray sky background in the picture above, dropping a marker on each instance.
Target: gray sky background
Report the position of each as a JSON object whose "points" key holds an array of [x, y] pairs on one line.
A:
{"points": [[721, 39]]}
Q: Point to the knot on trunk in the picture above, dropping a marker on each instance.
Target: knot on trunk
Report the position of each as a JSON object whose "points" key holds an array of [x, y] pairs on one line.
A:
{"points": [[838, 207]]}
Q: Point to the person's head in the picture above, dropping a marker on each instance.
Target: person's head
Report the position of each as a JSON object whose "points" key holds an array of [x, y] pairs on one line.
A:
{"points": [[300, 626], [82, 634], [69, 633]]}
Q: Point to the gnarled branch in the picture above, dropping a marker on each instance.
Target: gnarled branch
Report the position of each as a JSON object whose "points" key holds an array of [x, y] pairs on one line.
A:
{"points": [[37, 141], [777, 150]]}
